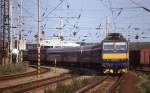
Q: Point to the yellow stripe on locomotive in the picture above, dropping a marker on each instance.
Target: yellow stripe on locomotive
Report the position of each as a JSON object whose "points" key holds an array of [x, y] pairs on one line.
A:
{"points": [[115, 56]]}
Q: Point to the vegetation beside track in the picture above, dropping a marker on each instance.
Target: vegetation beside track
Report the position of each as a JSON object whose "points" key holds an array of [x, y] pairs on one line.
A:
{"points": [[68, 88], [144, 83], [138, 45], [13, 69]]}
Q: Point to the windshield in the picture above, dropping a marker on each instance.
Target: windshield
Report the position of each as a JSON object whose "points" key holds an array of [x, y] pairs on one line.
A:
{"points": [[120, 45], [108, 46], [115, 45]]}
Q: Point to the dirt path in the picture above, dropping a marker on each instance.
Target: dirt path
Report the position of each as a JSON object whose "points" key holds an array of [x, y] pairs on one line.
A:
{"points": [[129, 84]]}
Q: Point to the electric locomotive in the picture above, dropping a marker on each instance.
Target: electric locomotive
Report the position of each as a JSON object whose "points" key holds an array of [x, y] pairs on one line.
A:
{"points": [[111, 55], [115, 53]]}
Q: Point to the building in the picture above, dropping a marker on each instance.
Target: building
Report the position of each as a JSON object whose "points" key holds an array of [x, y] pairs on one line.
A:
{"points": [[53, 43]]}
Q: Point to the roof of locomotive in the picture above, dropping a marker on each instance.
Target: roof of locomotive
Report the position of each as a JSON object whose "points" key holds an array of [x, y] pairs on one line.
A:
{"points": [[71, 49], [114, 37]]}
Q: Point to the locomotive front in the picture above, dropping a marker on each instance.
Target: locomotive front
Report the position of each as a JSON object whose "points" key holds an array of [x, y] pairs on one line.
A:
{"points": [[115, 54]]}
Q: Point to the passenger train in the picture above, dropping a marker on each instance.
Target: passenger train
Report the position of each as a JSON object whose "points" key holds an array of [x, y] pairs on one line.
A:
{"points": [[110, 56]]}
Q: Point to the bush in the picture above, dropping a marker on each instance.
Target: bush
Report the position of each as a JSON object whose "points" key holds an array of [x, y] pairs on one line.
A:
{"points": [[75, 84], [13, 69], [146, 87], [62, 88], [145, 83], [85, 81]]}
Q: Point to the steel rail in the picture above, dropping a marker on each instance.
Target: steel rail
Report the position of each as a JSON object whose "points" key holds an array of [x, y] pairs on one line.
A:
{"points": [[35, 84], [26, 74], [116, 84], [90, 86]]}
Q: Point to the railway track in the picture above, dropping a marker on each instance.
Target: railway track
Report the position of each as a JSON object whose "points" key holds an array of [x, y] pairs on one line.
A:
{"points": [[115, 88], [90, 86], [35, 84], [106, 84], [143, 70], [27, 74]]}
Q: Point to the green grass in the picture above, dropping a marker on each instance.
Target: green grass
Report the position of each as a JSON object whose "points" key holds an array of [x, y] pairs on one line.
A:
{"points": [[63, 88], [13, 69], [138, 45], [144, 83], [146, 87]]}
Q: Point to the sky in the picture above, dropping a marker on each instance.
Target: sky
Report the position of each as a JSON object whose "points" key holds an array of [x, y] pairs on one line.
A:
{"points": [[85, 20]]}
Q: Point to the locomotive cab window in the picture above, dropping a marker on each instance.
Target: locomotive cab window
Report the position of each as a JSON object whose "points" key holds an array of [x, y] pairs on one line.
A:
{"points": [[108, 46], [120, 46]]}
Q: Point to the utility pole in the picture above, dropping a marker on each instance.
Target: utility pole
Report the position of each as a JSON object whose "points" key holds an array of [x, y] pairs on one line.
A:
{"points": [[1, 31], [38, 40], [6, 31], [11, 40], [107, 27], [20, 31], [61, 38], [20, 19], [10, 24], [61, 33]]}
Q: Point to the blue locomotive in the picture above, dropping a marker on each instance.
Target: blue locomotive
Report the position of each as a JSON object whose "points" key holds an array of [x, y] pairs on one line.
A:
{"points": [[115, 54]]}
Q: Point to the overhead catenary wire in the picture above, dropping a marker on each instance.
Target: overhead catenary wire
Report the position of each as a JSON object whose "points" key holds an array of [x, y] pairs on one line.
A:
{"points": [[112, 13], [141, 6], [118, 12], [52, 10], [25, 10]]}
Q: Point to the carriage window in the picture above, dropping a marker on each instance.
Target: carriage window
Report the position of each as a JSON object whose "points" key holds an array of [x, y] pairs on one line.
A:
{"points": [[121, 45], [108, 46]]}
